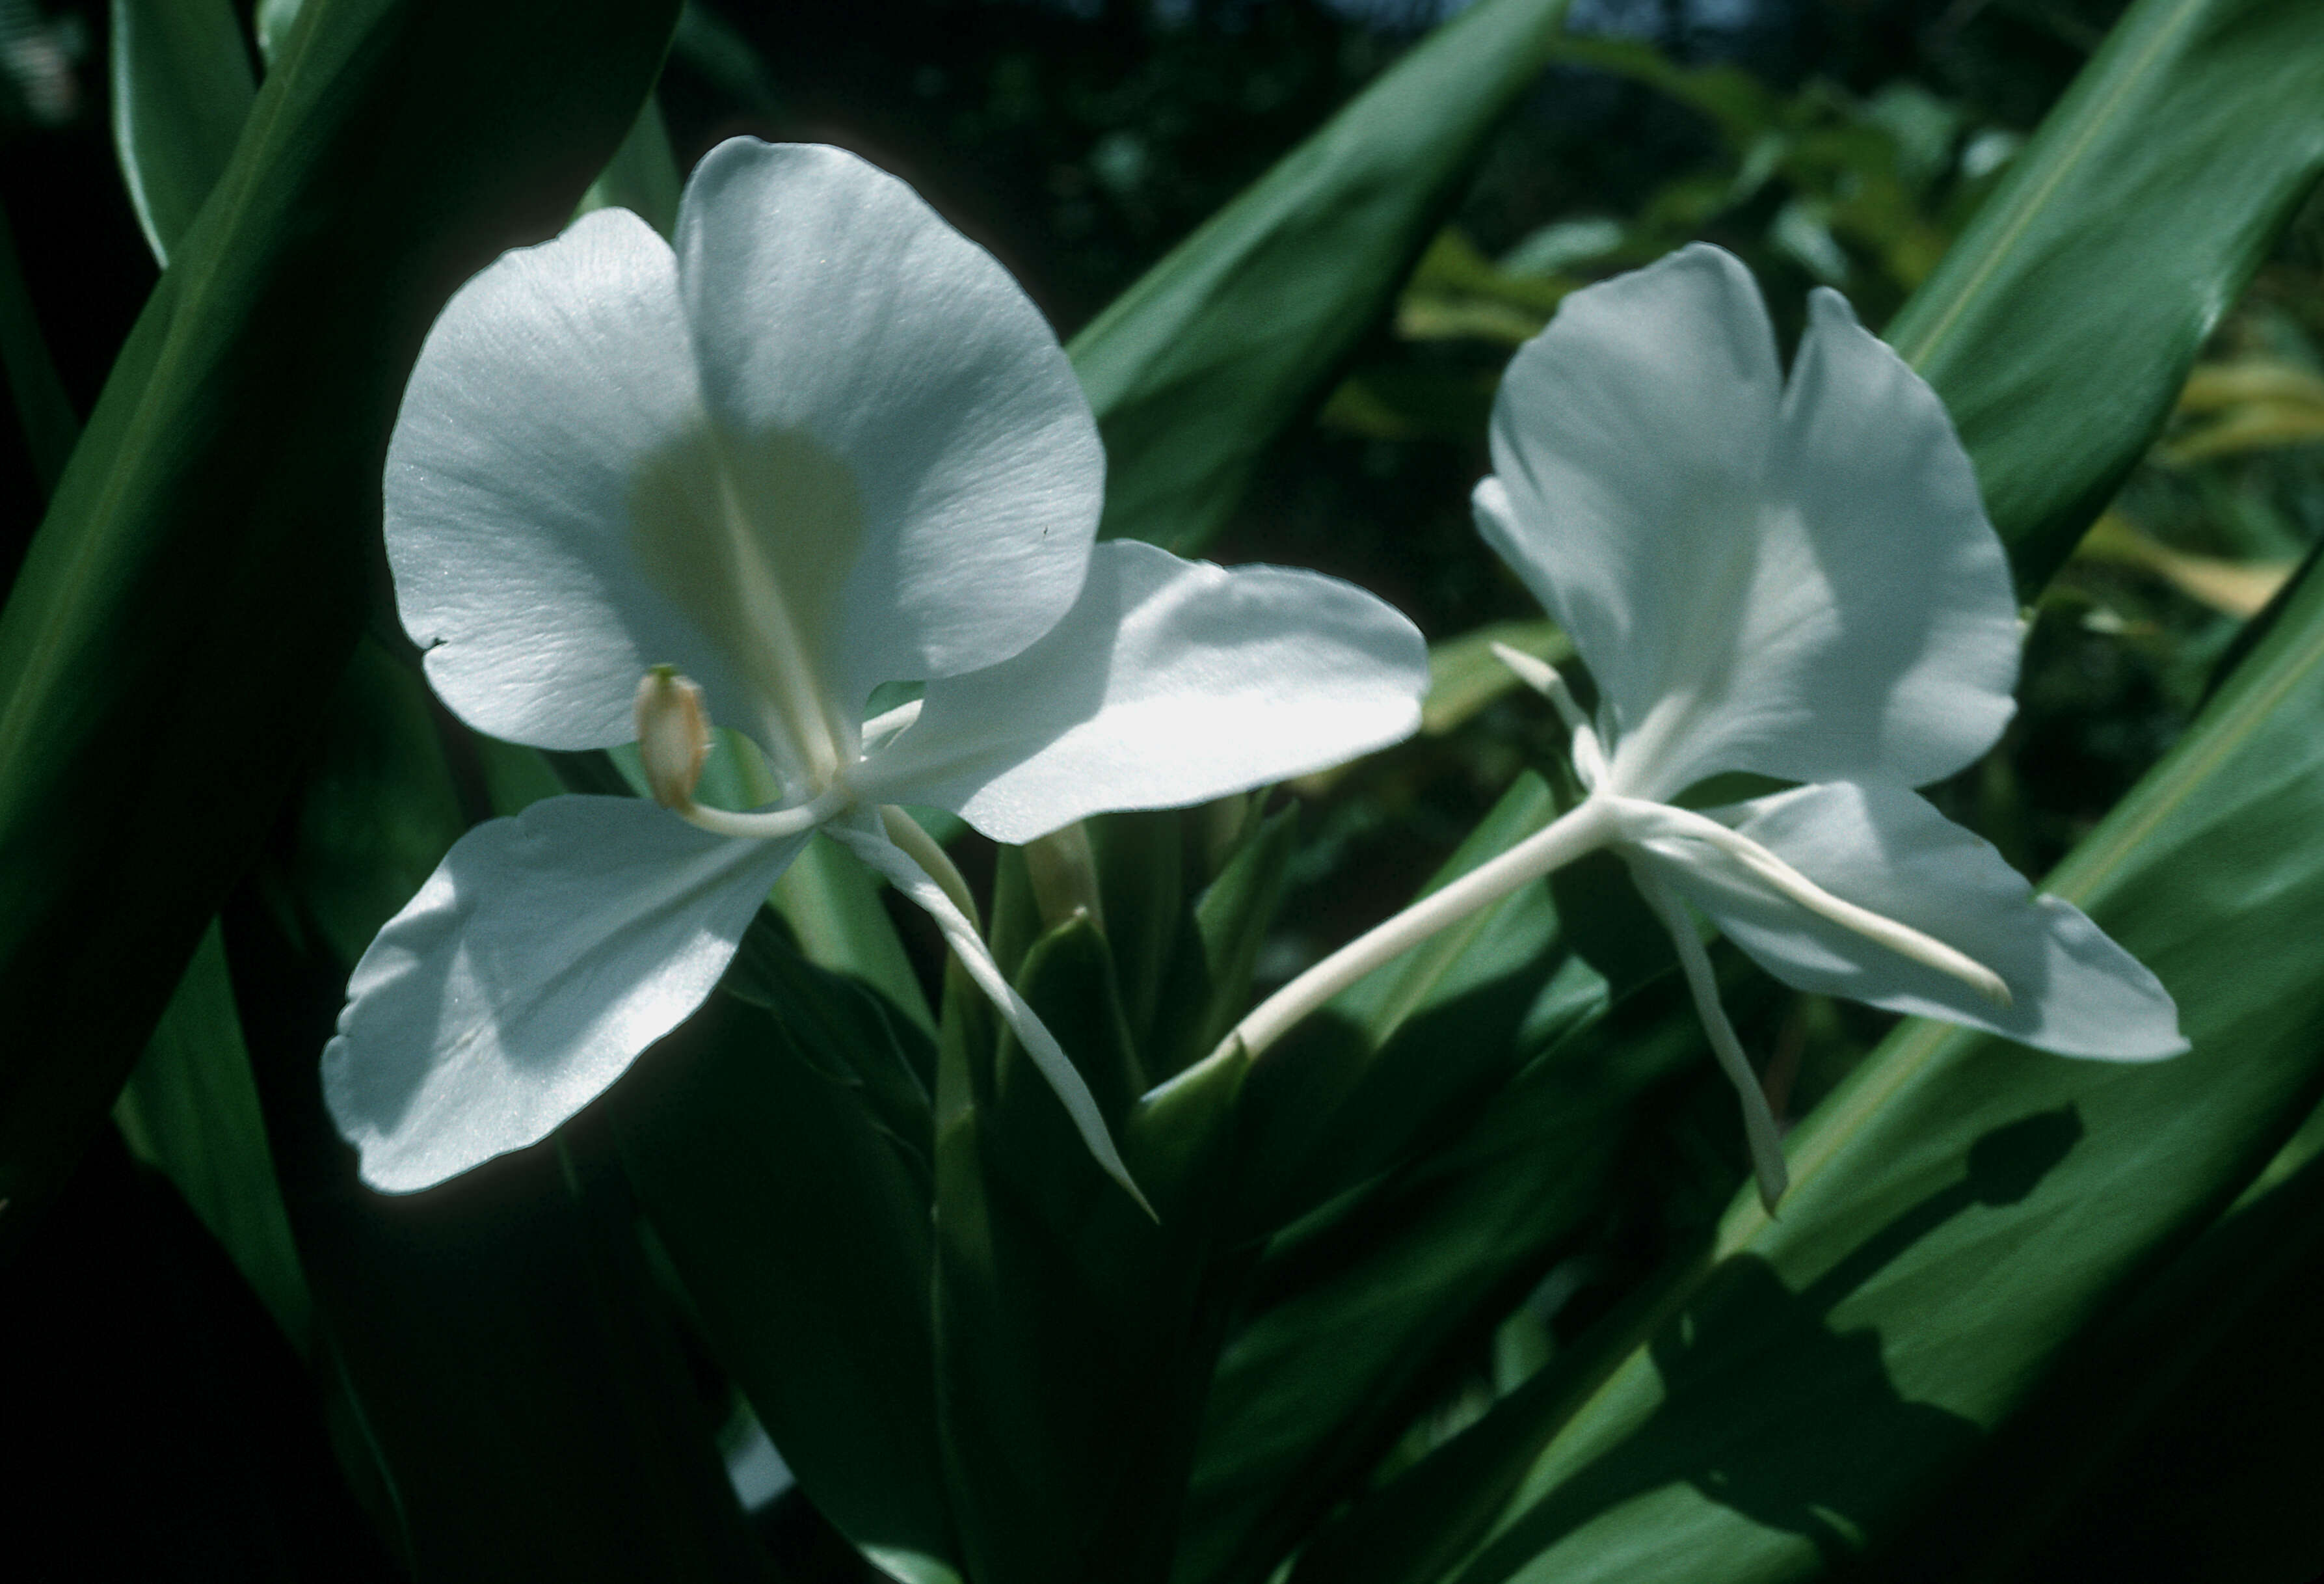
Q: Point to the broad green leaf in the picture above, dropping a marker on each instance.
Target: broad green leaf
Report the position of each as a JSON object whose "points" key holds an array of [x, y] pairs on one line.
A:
{"points": [[1141, 870], [198, 582], [2060, 326], [832, 903], [1343, 1096], [2185, 1408], [191, 1110], [1962, 1210], [1195, 369], [182, 89]]}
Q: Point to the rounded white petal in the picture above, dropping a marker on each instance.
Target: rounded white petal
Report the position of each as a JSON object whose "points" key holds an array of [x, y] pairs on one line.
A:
{"points": [[541, 958], [542, 397], [1807, 590], [1630, 443], [913, 456], [1884, 848], [1169, 682], [1883, 641]]}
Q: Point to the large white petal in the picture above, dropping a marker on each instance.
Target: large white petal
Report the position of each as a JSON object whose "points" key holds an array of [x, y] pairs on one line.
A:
{"points": [[1884, 848], [542, 955], [545, 390], [1809, 591], [912, 454], [1169, 682], [1882, 639], [1630, 443]]}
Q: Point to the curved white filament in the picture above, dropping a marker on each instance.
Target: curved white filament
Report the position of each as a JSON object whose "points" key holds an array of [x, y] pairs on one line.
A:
{"points": [[1758, 1120], [873, 846], [768, 822], [1644, 822]]}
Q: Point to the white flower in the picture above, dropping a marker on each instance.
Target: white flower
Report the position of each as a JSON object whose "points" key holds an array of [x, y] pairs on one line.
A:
{"points": [[824, 445], [1789, 579], [1795, 579]]}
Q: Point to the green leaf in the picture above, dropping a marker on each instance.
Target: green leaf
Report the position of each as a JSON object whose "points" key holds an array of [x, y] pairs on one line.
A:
{"points": [[775, 1148], [2185, 1408], [191, 1110], [2060, 326], [187, 607], [1963, 1209], [832, 903], [1209, 980], [1347, 1092], [1077, 1334], [643, 175], [1142, 871], [1196, 368], [1464, 675], [181, 90]]}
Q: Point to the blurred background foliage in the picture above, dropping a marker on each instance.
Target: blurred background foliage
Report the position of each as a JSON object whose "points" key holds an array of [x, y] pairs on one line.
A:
{"points": [[1829, 142]]}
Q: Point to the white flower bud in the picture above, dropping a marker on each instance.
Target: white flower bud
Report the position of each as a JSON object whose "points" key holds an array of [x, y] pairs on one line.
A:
{"points": [[673, 735]]}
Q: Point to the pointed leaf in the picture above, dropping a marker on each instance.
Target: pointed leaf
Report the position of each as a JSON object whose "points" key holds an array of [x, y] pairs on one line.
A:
{"points": [[2165, 173], [182, 89], [1195, 369]]}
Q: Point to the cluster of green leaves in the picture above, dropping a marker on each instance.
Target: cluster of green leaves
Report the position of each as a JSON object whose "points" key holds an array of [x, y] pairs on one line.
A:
{"points": [[853, 1206]]}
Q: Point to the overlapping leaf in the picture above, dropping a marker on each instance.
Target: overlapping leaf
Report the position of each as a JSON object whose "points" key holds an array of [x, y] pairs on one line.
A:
{"points": [[187, 605]]}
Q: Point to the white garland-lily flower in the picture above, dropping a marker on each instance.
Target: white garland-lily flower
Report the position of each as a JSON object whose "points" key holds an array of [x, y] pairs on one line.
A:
{"points": [[823, 444], [1792, 579]]}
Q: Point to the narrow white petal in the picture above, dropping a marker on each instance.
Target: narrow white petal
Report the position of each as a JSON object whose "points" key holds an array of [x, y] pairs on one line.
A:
{"points": [[540, 399], [544, 954], [1759, 1129], [912, 455], [1169, 682], [1630, 444], [868, 842], [1884, 848]]}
